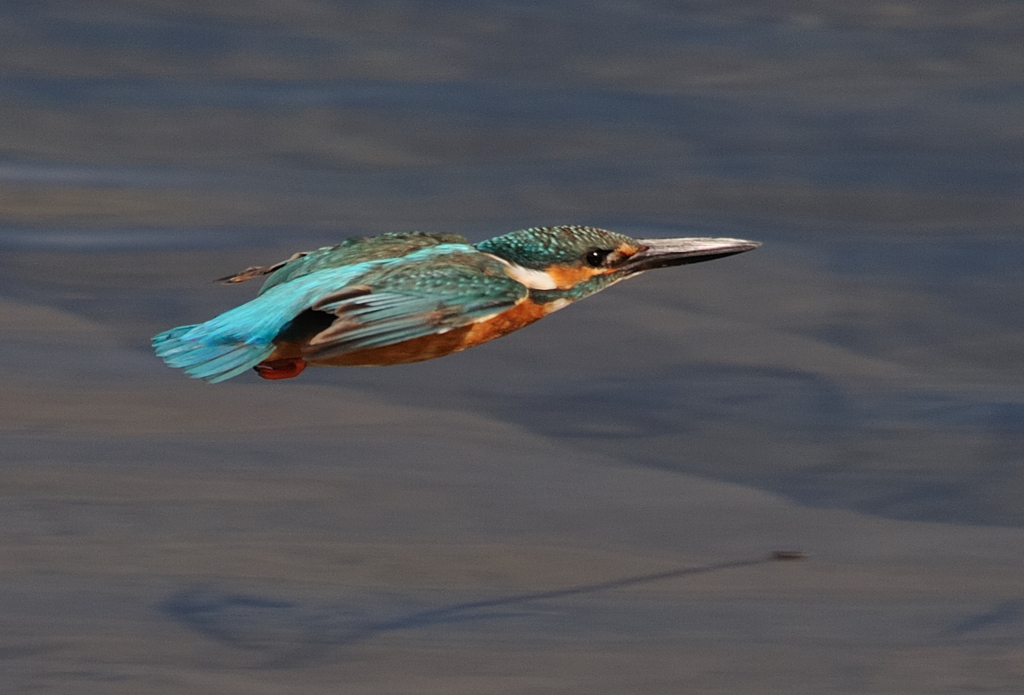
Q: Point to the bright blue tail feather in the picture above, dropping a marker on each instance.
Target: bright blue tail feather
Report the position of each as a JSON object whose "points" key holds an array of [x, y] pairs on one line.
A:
{"points": [[193, 349], [239, 339]]}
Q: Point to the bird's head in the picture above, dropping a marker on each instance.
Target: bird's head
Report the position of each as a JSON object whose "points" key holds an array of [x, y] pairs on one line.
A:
{"points": [[588, 259]]}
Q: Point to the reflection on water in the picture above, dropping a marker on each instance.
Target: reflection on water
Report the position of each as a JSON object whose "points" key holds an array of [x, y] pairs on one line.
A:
{"points": [[852, 388]]}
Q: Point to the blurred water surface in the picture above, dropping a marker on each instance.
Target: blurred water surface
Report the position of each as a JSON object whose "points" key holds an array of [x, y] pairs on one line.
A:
{"points": [[853, 388]]}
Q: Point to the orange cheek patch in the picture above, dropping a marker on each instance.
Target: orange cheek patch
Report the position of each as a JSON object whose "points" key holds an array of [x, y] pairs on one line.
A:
{"points": [[566, 277]]}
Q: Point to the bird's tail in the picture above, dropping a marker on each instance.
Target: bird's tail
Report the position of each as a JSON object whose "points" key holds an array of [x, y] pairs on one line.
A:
{"points": [[239, 339], [235, 341], [205, 355]]}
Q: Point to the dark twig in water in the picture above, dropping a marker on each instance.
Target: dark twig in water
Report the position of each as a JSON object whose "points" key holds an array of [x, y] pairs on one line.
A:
{"points": [[450, 611], [208, 614]]}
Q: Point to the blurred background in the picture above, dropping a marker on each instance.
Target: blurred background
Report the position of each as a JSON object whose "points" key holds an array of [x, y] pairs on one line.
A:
{"points": [[853, 388]]}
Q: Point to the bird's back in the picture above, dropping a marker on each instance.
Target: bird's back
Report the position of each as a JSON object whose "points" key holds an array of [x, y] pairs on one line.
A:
{"points": [[350, 252]]}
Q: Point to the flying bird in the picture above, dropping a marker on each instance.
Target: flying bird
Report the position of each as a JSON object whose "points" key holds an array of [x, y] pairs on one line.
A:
{"points": [[409, 297]]}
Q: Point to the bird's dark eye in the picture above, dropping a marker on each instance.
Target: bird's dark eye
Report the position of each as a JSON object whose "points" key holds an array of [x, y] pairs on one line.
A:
{"points": [[595, 257]]}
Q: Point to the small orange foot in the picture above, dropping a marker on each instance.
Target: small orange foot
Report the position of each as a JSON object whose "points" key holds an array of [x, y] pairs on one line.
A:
{"points": [[281, 369]]}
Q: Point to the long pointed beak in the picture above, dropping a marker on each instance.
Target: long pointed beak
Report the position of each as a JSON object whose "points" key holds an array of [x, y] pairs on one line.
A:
{"points": [[662, 253]]}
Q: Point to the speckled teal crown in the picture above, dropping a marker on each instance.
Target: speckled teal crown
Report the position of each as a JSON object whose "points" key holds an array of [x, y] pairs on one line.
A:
{"points": [[541, 247]]}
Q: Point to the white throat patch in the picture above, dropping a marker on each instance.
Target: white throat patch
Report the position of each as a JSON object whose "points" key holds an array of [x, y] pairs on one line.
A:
{"points": [[534, 279]]}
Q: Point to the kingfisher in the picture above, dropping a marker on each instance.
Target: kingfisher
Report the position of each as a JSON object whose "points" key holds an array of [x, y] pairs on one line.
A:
{"points": [[407, 297]]}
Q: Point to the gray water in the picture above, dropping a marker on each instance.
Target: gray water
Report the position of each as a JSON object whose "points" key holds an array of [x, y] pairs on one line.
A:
{"points": [[852, 389]]}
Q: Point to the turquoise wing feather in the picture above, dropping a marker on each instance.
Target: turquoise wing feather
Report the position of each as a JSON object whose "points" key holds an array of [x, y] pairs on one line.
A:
{"points": [[428, 294]]}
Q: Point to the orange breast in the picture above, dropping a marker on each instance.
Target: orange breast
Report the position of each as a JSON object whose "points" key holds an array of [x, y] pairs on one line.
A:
{"points": [[431, 346]]}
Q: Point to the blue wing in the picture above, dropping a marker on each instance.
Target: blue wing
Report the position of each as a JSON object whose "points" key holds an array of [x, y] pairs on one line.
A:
{"points": [[421, 297], [378, 302]]}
